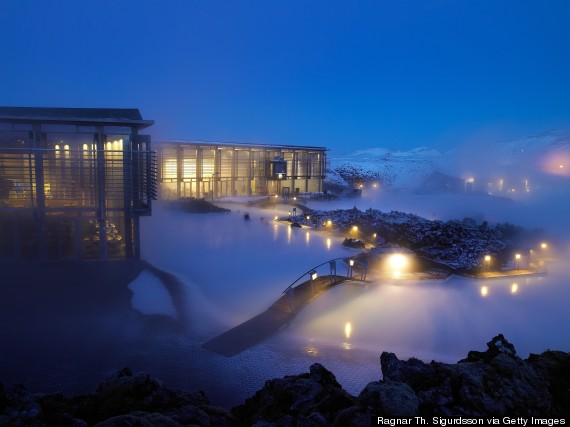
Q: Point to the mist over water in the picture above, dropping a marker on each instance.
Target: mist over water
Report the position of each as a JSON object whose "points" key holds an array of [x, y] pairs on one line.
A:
{"points": [[234, 269]]}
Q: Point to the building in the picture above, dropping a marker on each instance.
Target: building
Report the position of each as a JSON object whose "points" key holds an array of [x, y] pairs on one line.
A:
{"points": [[216, 169], [73, 182]]}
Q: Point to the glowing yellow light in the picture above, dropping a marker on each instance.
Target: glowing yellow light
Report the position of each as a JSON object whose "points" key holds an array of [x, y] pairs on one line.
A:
{"points": [[329, 222], [351, 262], [374, 235], [514, 288], [375, 185], [314, 275], [307, 237], [347, 330], [276, 196], [470, 179], [328, 243], [56, 147], [487, 258], [543, 245], [561, 166], [308, 217], [276, 218], [294, 198], [354, 228], [397, 261], [397, 273], [360, 185], [517, 256], [484, 291]]}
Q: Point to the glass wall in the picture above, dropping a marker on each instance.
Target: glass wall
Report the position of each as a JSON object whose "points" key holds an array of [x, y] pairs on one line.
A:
{"points": [[69, 194], [199, 169]]}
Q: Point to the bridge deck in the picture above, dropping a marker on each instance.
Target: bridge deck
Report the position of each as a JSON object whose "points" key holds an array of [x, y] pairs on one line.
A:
{"points": [[271, 320]]}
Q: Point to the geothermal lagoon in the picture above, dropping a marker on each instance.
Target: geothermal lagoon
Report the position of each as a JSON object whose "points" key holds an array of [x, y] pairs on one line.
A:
{"points": [[234, 269]]}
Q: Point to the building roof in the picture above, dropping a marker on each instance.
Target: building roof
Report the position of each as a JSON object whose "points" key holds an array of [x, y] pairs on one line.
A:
{"points": [[237, 144], [111, 116]]}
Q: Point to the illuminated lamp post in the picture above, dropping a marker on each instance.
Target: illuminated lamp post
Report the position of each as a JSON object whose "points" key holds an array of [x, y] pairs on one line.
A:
{"points": [[313, 275], [517, 261], [350, 265], [487, 262]]}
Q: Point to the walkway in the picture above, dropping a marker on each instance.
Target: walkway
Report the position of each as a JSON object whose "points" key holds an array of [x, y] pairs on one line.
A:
{"points": [[274, 318]]}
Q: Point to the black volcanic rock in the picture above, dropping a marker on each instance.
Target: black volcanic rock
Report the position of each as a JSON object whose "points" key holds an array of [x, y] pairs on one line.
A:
{"points": [[193, 205], [555, 367], [306, 399], [491, 383], [495, 382]]}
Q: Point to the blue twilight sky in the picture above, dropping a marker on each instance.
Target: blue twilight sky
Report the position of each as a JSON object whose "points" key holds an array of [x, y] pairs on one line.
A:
{"points": [[342, 74]]}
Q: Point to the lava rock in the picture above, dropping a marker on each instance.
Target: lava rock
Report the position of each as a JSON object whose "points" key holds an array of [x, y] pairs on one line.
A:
{"points": [[492, 383], [389, 398], [305, 399]]}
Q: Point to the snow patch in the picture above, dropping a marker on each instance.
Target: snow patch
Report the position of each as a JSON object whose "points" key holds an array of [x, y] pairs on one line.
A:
{"points": [[150, 296]]}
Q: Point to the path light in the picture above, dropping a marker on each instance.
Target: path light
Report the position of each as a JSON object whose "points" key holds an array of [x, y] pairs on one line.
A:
{"points": [[350, 265], [397, 262], [347, 330], [313, 275], [487, 261]]}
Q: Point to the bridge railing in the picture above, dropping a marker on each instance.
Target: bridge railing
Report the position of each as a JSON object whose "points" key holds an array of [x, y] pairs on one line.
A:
{"points": [[333, 271]]}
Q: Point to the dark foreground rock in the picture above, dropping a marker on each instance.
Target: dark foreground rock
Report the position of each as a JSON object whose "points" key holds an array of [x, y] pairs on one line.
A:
{"points": [[495, 382], [491, 383], [126, 399], [193, 205]]}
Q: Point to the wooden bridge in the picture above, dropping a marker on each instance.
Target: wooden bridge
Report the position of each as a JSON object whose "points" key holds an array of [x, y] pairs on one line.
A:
{"points": [[280, 313]]}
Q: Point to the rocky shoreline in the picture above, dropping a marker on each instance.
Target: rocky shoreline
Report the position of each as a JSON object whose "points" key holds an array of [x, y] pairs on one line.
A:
{"points": [[458, 245], [495, 382]]}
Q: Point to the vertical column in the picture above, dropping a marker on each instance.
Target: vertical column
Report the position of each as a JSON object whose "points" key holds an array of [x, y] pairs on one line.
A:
{"points": [[217, 172], [39, 210], [179, 170], [234, 170], [199, 173], [308, 171], [101, 201], [249, 171], [294, 170]]}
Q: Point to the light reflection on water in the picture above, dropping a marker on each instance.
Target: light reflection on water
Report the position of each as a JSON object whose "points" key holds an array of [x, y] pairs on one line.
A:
{"points": [[238, 268]]}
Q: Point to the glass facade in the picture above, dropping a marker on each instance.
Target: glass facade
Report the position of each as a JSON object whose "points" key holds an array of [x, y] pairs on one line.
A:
{"points": [[207, 170], [70, 189]]}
